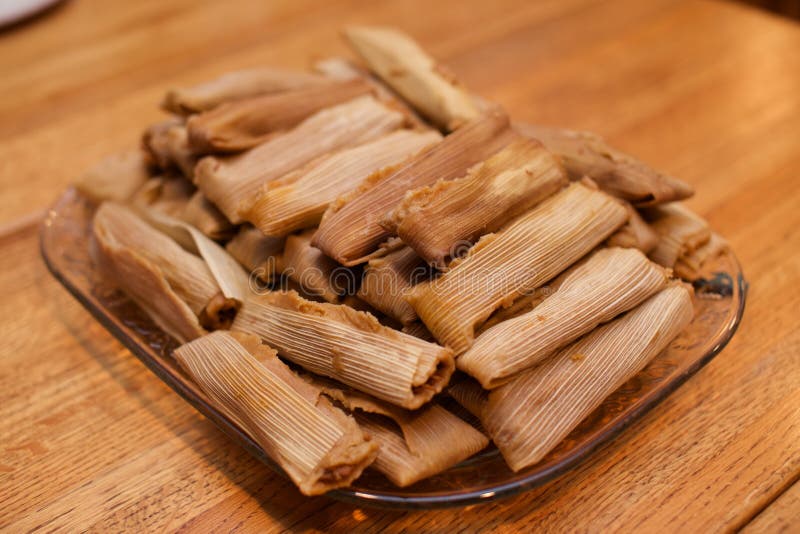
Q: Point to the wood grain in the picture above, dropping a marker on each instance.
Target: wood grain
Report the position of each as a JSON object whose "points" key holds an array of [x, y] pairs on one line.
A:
{"points": [[708, 91]]}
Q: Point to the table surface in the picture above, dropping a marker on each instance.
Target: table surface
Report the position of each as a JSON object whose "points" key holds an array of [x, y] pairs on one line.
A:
{"points": [[710, 92]]}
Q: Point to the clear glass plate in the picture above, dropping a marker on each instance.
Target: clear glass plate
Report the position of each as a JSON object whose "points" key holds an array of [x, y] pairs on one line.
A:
{"points": [[720, 304]]}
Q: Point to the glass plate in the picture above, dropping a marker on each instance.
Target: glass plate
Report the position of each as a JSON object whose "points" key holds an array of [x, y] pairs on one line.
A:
{"points": [[720, 304]]}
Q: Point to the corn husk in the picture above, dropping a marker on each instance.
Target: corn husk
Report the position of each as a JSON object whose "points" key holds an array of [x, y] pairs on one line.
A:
{"points": [[252, 250], [689, 265], [386, 281], [349, 346], [469, 394], [232, 182], [168, 194], [621, 175], [231, 278], [300, 203], [610, 282], [203, 215], [436, 221], [525, 254], [167, 144], [680, 231], [116, 177], [350, 232], [400, 62], [635, 233], [175, 287], [412, 445], [235, 86], [316, 444], [316, 273], [529, 416], [243, 124]]}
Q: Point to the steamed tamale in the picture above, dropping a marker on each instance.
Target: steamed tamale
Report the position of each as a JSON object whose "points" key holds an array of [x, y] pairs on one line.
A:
{"points": [[316, 444], [350, 232], [154, 270], [522, 256], [235, 86], [439, 219], [116, 177], [635, 233], [242, 124], [387, 279], [413, 445], [350, 346], [621, 175], [680, 232], [529, 416], [205, 216], [302, 199], [410, 71], [690, 264], [610, 282], [232, 182]]}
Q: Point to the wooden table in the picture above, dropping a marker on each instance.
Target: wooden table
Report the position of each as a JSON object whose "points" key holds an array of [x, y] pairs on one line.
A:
{"points": [[710, 92]]}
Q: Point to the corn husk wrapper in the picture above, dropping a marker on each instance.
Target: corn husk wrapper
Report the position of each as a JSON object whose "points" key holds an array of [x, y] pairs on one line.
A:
{"points": [[349, 346], [680, 232], [529, 416], [525, 254], [316, 273], [243, 124], [689, 265], [252, 250], [232, 182], [316, 444], [116, 177], [235, 86], [203, 215], [610, 282], [167, 144], [412, 445], [301, 202], [635, 233], [387, 279], [175, 287], [621, 175], [400, 62], [350, 231], [439, 219], [469, 394]]}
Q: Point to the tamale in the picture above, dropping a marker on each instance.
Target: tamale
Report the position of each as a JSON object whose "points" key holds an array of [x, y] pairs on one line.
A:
{"points": [[617, 173], [175, 287], [635, 233], [116, 177], [242, 124], [350, 346], [610, 282], [417, 329], [680, 232], [469, 394], [412, 445], [386, 281], [235, 86], [301, 201], [316, 444], [316, 273], [522, 256], [437, 220], [232, 182], [167, 144], [350, 232], [690, 264], [252, 249], [403, 65], [168, 194], [529, 416]]}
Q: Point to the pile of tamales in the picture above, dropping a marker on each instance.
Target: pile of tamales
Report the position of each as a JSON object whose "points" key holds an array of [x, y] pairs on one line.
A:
{"points": [[340, 248]]}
